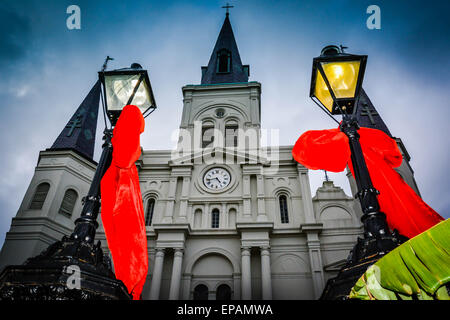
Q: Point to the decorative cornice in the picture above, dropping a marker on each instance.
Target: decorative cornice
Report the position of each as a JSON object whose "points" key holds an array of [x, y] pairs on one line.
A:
{"points": [[311, 227], [254, 225], [221, 86]]}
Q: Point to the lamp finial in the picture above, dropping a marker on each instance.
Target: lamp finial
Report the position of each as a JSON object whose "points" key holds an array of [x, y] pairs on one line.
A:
{"points": [[106, 62]]}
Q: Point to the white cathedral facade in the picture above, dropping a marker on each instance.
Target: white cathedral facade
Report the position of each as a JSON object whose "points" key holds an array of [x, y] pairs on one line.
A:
{"points": [[225, 220]]}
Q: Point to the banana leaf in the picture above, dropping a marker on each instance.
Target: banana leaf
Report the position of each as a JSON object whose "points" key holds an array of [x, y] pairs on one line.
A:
{"points": [[417, 269]]}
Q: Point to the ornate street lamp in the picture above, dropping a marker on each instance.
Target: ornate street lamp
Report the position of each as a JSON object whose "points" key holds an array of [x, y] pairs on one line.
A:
{"points": [[335, 87], [50, 275], [126, 86], [336, 80]]}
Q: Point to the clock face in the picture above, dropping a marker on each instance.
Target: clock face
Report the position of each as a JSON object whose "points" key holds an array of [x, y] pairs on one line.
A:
{"points": [[216, 178]]}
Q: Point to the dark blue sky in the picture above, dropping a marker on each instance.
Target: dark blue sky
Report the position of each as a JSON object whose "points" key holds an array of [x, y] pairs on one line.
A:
{"points": [[46, 70]]}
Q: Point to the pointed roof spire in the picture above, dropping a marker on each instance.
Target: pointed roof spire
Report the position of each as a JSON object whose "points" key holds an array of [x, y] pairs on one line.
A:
{"points": [[79, 133], [368, 116], [225, 64]]}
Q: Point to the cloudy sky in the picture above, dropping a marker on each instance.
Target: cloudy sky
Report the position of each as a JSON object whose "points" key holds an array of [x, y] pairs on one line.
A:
{"points": [[47, 69]]}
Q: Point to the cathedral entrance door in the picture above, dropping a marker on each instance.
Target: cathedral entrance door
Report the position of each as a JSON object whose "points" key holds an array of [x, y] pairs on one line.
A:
{"points": [[201, 292], [212, 278], [223, 292]]}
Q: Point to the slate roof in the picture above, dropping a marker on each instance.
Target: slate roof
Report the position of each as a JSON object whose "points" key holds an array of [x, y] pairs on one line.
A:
{"points": [[226, 41], [79, 133], [368, 116]]}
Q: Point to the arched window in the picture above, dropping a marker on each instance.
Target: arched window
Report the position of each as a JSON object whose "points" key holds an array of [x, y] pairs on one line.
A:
{"points": [[39, 196], [201, 292], [223, 292], [283, 209], [207, 134], [215, 218], [223, 61], [231, 134], [68, 202], [150, 208]]}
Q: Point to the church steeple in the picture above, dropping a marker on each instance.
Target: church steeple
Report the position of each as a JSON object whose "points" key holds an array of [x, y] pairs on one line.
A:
{"points": [[79, 133], [225, 64], [368, 116]]}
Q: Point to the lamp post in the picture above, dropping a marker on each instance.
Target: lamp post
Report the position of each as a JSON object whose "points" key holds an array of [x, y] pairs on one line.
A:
{"points": [[335, 87], [75, 268]]}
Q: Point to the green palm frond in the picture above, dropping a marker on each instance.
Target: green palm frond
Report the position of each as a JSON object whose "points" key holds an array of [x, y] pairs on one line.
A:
{"points": [[418, 269]]}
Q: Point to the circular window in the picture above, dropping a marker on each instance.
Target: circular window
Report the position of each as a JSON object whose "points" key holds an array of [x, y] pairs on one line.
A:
{"points": [[220, 113]]}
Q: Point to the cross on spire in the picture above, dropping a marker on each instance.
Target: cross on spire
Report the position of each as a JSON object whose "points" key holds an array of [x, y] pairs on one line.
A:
{"points": [[367, 114], [227, 49], [79, 133], [366, 111], [227, 7], [75, 123]]}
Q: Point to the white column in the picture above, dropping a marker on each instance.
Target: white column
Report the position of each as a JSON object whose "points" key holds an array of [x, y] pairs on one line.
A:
{"points": [[246, 196], [354, 188], [176, 274], [315, 258], [236, 287], [190, 215], [223, 217], [306, 194], [155, 284], [246, 275], [168, 217], [187, 287], [266, 274], [184, 198], [260, 195], [205, 217], [351, 181]]}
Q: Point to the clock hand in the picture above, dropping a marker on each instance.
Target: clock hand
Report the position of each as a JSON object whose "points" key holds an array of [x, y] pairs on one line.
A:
{"points": [[210, 179], [218, 177]]}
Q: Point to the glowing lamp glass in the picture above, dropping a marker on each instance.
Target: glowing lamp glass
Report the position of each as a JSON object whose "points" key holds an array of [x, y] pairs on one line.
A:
{"points": [[342, 77], [322, 93], [119, 89]]}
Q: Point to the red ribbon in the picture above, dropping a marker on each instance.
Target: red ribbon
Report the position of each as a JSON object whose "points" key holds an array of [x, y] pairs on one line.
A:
{"points": [[122, 210], [329, 150]]}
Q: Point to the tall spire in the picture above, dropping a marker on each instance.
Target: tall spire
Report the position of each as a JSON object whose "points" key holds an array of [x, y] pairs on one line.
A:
{"points": [[368, 116], [225, 64], [79, 133]]}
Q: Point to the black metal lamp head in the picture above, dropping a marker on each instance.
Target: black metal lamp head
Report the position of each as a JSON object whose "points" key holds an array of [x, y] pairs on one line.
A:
{"points": [[127, 86], [337, 79]]}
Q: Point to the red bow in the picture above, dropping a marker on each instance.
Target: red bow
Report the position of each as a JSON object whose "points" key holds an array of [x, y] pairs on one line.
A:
{"points": [[329, 150]]}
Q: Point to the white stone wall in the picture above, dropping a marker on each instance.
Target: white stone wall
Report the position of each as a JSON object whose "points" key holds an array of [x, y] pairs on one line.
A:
{"points": [[252, 251], [34, 230]]}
